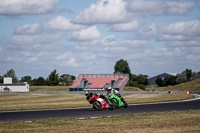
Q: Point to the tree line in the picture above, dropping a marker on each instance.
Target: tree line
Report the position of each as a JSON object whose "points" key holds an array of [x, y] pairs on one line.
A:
{"points": [[141, 81], [121, 66], [186, 76], [52, 80]]}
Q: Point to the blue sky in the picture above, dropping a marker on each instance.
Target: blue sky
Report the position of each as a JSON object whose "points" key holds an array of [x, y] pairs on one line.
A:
{"points": [[76, 37]]}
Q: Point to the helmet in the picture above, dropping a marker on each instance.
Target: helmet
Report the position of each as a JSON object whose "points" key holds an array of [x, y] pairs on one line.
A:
{"points": [[86, 93], [109, 88]]}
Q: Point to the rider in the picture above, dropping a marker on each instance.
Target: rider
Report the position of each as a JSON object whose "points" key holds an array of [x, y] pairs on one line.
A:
{"points": [[113, 91], [103, 97], [88, 95]]}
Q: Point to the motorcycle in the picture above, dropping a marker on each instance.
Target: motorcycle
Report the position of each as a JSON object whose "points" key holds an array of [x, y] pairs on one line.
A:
{"points": [[117, 101], [100, 103]]}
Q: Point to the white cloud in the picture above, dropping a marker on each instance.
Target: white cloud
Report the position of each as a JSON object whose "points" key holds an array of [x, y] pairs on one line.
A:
{"points": [[124, 27], [9, 58], [88, 34], [28, 29], [105, 11], [193, 57], [64, 56], [47, 44], [182, 33], [155, 7], [37, 38], [149, 32], [27, 7], [136, 43], [61, 23], [109, 41], [89, 57], [31, 60], [72, 62], [190, 28]]}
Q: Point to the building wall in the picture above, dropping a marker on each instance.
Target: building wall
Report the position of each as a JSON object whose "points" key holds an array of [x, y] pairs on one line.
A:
{"points": [[152, 80], [14, 88]]}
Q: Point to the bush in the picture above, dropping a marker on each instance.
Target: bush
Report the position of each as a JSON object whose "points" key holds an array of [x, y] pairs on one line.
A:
{"points": [[142, 87]]}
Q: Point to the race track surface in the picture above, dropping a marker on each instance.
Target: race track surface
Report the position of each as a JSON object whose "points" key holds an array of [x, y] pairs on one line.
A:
{"points": [[89, 112]]}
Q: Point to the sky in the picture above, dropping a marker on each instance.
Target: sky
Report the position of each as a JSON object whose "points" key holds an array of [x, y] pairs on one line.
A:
{"points": [[89, 37]]}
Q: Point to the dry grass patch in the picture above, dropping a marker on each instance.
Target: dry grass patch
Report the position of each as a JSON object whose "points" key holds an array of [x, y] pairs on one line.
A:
{"points": [[150, 98], [168, 122], [10, 102], [188, 86], [37, 102], [49, 88]]}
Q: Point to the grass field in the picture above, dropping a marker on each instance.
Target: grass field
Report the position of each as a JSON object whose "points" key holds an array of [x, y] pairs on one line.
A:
{"points": [[9, 102], [188, 86], [49, 88], [167, 122]]}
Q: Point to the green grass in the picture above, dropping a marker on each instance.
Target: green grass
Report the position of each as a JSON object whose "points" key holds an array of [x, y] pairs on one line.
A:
{"points": [[156, 88], [49, 88], [167, 122], [9, 102], [188, 86], [131, 89]]}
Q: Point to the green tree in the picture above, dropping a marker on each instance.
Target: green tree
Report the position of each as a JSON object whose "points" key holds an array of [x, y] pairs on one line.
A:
{"points": [[11, 73], [142, 79], [122, 66], [53, 78], [185, 76], [67, 79], [181, 78], [171, 80], [40, 81], [160, 81], [1, 79], [188, 73], [26, 79], [133, 83]]}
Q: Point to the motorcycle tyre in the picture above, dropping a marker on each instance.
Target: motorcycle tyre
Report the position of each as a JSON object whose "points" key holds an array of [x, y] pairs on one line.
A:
{"points": [[125, 105], [116, 104], [111, 106], [97, 105]]}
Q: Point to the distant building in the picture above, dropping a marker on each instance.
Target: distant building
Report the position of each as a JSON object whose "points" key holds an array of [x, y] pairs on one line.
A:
{"points": [[152, 80], [100, 82], [8, 86]]}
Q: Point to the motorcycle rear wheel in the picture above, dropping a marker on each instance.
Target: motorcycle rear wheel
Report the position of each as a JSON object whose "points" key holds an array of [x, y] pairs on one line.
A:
{"points": [[125, 105]]}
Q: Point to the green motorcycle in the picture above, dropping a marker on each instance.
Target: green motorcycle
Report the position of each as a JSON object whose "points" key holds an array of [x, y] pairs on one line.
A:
{"points": [[117, 101]]}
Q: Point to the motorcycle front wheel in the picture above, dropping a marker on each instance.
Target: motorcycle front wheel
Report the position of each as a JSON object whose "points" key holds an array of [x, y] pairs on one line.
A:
{"points": [[97, 105], [111, 106], [115, 103]]}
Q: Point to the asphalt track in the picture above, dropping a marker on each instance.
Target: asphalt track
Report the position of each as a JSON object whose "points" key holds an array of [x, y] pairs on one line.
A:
{"points": [[193, 104]]}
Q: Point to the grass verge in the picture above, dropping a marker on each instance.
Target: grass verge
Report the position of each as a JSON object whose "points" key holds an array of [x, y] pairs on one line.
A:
{"points": [[166, 122], [188, 86], [49, 88], [10, 102]]}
